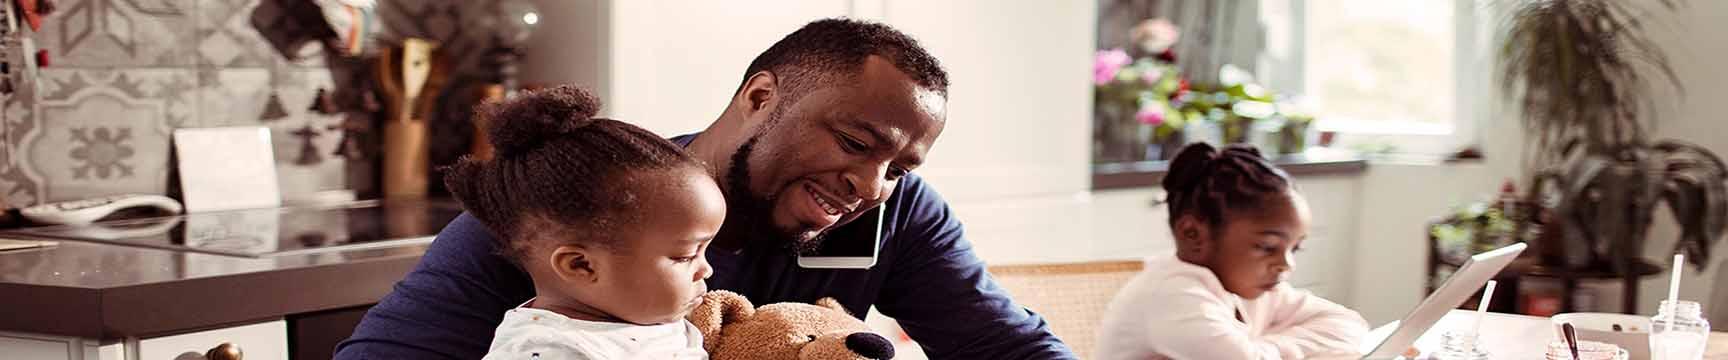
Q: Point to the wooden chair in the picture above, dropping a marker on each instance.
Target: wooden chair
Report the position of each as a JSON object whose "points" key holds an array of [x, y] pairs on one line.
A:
{"points": [[1071, 296]]}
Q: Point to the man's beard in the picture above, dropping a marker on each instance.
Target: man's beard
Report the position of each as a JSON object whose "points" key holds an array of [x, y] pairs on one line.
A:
{"points": [[750, 217]]}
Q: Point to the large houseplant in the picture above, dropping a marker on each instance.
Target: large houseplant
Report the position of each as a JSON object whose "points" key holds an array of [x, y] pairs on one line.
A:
{"points": [[1579, 71]]}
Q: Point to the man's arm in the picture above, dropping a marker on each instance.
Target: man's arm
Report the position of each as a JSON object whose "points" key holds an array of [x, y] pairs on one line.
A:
{"points": [[448, 307], [941, 294]]}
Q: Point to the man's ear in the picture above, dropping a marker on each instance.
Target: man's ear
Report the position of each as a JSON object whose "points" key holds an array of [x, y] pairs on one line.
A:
{"points": [[759, 93], [575, 263]]}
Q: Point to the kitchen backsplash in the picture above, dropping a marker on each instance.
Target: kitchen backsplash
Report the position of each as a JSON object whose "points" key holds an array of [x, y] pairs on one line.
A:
{"points": [[124, 73]]}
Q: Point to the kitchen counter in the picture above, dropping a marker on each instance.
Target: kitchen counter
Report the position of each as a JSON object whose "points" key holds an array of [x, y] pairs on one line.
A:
{"points": [[106, 291]]}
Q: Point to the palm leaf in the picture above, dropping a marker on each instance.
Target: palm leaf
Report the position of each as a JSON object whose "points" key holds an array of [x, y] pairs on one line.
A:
{"points": [[1696, 190], [1574, 66]]}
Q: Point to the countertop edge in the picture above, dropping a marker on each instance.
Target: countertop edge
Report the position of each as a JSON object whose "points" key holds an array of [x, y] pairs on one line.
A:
{"points": [[165, 308]]}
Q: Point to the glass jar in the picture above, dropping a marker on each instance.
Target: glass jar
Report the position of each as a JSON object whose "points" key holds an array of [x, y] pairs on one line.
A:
{"points": [[1678, 332], [1459, 346]]}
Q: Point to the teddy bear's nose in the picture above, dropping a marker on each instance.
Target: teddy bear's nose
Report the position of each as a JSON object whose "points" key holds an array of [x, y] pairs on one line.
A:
{"points": [[870, 346]]}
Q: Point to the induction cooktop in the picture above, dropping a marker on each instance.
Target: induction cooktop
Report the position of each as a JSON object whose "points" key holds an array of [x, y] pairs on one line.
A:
{"points": [[268, 232]]}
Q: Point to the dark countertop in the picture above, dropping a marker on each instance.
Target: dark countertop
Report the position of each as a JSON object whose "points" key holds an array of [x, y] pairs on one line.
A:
{"points": [[107, 292], [1150, 173]]}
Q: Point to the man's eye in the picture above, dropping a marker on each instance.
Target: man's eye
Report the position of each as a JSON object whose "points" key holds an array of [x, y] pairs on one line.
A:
{"points": [[685, 259], [896, 172], [850, 144]]}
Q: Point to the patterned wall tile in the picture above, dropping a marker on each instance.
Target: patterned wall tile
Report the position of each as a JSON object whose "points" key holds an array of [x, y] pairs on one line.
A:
{"points": [[127, 72], [230, 34], [105, 33], [238, 96], [16, 120], [106, 131]]}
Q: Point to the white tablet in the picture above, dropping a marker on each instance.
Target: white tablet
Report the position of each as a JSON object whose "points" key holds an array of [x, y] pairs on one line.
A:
{"points": [[1463, 283]]}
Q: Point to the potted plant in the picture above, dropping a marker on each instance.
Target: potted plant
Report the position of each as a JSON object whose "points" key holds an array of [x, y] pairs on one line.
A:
{"points": [[1132, 107], [1578, 70]]}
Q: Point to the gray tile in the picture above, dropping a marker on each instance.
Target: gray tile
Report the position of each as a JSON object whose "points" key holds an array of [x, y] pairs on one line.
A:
{"points": [[231, 97], [237, 97], [106, 131], [17, 187], [107, 33], [231, 33]]}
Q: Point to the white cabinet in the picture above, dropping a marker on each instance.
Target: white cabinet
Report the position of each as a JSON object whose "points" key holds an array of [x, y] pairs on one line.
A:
{"points": [[29, 348], [1326, 264], [261, 341]]}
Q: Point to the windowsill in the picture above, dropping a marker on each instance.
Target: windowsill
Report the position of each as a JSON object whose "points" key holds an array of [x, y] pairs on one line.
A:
{"points": [[1150, 173]]}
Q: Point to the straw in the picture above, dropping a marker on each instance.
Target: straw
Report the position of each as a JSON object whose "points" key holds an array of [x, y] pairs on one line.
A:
{"points": [[1482, 306], [1674, 289]]}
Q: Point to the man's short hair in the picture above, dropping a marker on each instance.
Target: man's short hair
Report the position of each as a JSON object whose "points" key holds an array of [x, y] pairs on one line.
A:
{"points": [[828, 49]]}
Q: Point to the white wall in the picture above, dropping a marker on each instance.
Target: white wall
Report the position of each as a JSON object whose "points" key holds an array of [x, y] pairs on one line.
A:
{"points": [[676, 63], [1020, 103], [564, 48]]}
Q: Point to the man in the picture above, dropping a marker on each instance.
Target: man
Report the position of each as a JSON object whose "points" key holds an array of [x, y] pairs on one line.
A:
{"points": [[828, 124]]}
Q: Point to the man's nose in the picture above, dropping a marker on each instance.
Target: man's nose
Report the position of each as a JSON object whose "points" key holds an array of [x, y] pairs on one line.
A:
{"points": [[868, 182]]}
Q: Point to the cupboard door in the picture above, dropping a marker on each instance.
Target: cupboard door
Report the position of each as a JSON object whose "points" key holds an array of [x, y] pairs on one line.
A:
{"points": [[261, 341]]}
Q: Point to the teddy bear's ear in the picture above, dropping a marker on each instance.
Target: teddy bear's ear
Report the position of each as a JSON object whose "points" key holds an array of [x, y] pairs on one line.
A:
{"points": [[830, 303], [719, 308]]}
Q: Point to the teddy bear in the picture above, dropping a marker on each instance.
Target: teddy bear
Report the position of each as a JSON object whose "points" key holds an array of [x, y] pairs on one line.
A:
{"points": [[733, 329]]}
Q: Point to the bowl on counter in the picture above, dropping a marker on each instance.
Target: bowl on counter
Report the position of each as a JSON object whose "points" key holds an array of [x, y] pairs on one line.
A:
{"points": [[1630, 332]]}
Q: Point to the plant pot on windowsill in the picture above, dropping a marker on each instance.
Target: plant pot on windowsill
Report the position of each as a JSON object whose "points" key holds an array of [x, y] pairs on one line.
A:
{"points": [[1166, 142], [1293, 137], [1236, 129]]}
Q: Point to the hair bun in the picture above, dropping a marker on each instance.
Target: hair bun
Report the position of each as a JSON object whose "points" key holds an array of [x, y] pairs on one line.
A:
{"points": [[533, 117], [1190, 166]]}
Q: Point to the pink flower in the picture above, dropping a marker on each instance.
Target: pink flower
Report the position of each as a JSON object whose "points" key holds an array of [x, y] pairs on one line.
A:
{"points": [[1107, 63], [1151, 75], [1151, 114], [1155, 35]]}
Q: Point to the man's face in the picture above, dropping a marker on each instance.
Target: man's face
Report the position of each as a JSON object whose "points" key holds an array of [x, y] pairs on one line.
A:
{"points": [[824, 158]]}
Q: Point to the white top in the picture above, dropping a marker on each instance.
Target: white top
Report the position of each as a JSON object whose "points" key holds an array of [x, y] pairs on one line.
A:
{"points": [[1177, 310], [529, 333]]}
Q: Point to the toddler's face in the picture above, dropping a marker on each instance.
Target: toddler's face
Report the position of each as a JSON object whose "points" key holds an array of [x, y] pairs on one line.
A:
{"points": [[657, 273], [1256, 251]]}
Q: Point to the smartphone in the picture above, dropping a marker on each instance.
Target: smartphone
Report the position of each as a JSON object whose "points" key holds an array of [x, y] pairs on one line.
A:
{"points": [[851, 246]]}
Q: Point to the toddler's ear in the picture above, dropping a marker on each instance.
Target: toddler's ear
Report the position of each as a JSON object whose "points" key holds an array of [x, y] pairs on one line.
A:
{"points": [[718, 309], [573, 263]]}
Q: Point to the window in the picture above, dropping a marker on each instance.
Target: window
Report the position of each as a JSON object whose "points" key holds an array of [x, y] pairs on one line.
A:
{"points": [[1403, 76]]}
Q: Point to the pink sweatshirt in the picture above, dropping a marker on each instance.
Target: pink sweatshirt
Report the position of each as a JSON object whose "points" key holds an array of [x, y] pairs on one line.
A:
{"points": [[1177, 310]]}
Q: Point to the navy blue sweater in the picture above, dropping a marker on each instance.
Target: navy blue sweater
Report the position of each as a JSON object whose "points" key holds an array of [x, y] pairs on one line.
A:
{"points": [[926, 277]]}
